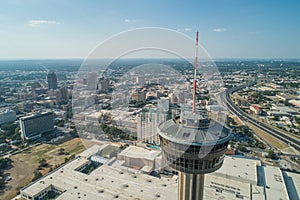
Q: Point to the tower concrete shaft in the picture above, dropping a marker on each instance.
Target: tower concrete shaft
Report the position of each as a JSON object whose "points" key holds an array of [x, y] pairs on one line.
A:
{"points": [[190, 186]]}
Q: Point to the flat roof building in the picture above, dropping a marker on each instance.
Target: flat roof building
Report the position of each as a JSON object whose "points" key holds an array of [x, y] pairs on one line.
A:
{"points": [[295, 103], [105, 182], [284, 109], [238, 178], [139, 158]]}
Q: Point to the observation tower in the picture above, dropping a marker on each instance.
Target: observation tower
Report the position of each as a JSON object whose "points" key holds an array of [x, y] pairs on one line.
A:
{"points": [[193, 144]]}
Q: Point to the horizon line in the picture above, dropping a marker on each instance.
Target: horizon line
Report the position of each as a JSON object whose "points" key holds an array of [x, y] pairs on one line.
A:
{"points": [[141, 58]]}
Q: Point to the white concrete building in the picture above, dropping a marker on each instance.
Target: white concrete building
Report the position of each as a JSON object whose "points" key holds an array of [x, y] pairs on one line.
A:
{"points": [[238, 178], [147, 121], [139, 158]]}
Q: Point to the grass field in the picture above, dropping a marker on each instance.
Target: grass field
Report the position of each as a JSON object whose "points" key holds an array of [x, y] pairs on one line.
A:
{"points": [[25, 163], [269, 139], [237, 121]]}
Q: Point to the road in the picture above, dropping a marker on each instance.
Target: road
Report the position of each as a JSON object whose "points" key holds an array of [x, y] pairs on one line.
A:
{"points": [[245, 117]]}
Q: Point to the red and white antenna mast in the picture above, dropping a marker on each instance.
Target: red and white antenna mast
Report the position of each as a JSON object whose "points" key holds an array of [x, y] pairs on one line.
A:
{"points": [[195, 74]]}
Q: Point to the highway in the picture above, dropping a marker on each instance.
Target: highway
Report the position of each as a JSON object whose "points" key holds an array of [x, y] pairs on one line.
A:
{"points": [[245, 117]]}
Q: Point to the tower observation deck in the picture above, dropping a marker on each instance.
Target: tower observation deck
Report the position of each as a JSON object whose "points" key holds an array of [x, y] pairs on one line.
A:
{"points": [[193, 144]]}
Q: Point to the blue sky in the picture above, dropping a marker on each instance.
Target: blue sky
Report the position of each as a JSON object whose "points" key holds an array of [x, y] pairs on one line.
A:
{"points": [[71, 29]]}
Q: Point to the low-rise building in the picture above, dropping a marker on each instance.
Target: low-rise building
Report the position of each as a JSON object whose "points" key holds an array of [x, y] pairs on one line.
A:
{"points": [[139, 158], [255, 109], [285, 97], [238, 178], [7, 116], [295, 103], [284, 109], [278, 114], [139, 95]]}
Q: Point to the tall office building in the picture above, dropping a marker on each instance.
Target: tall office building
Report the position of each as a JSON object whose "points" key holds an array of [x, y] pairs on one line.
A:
{"points": [[104, 84], [63, 95], [35, 125], [148, 120], [52, 81], [92, 81], [147, 123], [140, 80]]}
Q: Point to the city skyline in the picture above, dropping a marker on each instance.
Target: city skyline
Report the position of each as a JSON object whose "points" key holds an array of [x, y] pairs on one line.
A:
{"points": [[149, 99], [45, 130], [72, 29]]}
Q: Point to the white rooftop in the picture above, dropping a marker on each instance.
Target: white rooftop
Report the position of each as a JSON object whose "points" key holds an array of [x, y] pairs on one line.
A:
{"points": [[237, 178], [105, 182], [223, 188], [292, 180], [241, 169], [138, 152], [275, 187]]}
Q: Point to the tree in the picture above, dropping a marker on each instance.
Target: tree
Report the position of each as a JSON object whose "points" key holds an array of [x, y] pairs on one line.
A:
{"points": [[297, 119], [43, 163], [271, 154], [61, 151], [2, 181], [74, 133], [69, 113], [17, 130], [234, 123], [37, 174], [9, 128], [246, 131], [69, 158], [4, 163], [242, 148]]}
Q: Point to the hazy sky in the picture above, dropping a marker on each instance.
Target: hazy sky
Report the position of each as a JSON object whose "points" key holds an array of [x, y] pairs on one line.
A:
{"points": [[71, 29]]}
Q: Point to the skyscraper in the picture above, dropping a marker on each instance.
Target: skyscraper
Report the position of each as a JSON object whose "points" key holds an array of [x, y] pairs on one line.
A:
{"points": [[52, 81], [150, 118], [92, 81], [104, 84]]}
